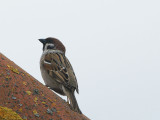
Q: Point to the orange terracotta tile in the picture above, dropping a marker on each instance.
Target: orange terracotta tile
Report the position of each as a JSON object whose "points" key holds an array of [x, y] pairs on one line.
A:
{"points": [[24, 97]]}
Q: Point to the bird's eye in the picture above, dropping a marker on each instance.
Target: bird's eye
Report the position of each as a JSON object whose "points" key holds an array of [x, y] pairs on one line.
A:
{"points": [[50, 47]]}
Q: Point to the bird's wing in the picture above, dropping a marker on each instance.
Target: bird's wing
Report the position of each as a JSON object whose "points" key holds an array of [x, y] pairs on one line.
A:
{"points": [[60, 69], [72, 74]]}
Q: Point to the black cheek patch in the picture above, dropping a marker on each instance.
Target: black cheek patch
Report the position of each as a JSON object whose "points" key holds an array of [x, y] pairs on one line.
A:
{"points": [[50, 47]]}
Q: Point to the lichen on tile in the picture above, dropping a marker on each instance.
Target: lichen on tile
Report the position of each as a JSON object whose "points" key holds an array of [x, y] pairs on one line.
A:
{"points": [[35, 113], [8, 114], [13, 69], [28, 92]]}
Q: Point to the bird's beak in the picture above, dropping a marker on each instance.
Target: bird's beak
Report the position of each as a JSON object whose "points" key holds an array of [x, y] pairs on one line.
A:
{"points": [[42, 40]]}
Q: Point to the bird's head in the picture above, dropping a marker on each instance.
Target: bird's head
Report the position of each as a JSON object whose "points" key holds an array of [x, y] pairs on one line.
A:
{"points": [[52, 44]]}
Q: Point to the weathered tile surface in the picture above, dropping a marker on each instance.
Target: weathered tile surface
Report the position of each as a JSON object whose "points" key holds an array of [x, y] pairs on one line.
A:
{"points": [[23, 97]]}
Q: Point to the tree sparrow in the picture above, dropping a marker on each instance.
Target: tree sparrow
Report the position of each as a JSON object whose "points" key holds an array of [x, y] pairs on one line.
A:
{"points": [[57, 71]]}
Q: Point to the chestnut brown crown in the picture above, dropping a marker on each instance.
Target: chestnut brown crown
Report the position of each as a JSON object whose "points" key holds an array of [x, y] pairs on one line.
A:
{"points": [[58, 45]]}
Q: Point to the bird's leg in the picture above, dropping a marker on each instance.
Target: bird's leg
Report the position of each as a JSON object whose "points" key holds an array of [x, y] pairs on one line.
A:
{"points": [[67, 100], [47, 86]]}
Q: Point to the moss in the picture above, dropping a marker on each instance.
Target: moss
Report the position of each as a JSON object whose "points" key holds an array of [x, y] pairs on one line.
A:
{"points": [[28, 92], [13, 69], [8, 114], [43, 102], [35, 113], [24, 83]]}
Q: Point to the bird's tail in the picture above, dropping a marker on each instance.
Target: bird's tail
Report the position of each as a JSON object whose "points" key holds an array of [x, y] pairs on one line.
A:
{"points": [[74, 103], [72, 99]]}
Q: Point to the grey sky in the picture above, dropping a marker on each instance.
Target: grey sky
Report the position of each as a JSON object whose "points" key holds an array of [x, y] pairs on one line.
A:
{"points": [[113, 45]]}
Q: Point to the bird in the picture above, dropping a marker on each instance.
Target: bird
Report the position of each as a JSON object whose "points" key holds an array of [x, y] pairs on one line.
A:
{"points": [[57, 72]]}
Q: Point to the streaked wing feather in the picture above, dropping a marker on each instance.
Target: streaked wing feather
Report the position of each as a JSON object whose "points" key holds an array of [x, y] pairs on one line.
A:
{"points": [[71, 71], [60, 70]]}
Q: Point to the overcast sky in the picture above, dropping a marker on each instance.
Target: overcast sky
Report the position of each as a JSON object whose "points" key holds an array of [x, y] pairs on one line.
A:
{"points": [[113, 46]]}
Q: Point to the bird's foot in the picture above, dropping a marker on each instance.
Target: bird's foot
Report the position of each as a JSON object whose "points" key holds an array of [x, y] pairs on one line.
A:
{"points": [[47, 86]]}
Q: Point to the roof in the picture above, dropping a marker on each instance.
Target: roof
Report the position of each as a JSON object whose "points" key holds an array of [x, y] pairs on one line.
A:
{"points": [[22, 96]]}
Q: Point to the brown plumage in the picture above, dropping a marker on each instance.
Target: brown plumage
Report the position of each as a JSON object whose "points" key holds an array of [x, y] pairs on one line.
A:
{"points": [[57, 71]]}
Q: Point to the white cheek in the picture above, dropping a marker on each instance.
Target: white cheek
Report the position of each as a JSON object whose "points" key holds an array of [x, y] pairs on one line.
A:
{"points": [[47, 62]]}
